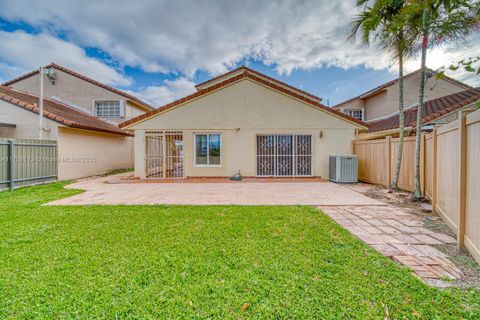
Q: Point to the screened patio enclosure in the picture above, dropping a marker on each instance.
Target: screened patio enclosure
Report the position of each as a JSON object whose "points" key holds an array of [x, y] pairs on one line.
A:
{"points": [[284, 155], [164, 155]]}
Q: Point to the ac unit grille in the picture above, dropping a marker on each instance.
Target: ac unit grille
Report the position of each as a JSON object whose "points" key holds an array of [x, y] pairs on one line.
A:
{"points": [[343, 168]]}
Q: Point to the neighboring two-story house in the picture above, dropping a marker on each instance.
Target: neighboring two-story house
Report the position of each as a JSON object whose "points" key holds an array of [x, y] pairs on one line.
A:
{"points": [[81, 114], [82, 93], [382, 101]]}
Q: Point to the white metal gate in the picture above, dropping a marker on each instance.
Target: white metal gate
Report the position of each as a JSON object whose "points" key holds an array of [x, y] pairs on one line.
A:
{"points": [[164, 154], [284, 155]]}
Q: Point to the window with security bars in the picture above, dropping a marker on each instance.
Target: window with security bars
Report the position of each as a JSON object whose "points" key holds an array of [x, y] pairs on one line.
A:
{"points": [[108, 109], [357, 114]]}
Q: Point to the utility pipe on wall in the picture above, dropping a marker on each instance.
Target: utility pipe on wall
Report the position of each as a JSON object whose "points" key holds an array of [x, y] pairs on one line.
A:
{"points": [[40, 104]]}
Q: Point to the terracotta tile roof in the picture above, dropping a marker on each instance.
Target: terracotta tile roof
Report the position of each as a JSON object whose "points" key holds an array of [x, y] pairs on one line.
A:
{"points": [[85, 78], [246, 69], [59, 112], [392, 82], [433, 109], [255, 76]]}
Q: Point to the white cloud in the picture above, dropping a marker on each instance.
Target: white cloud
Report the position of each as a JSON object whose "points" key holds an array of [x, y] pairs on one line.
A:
{"points": [[170, 91], [210, 35], [451, 54], [23, 52]]}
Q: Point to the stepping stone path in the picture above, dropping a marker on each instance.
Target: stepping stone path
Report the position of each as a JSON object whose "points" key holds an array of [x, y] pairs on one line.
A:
{"points": [[400, 236]]}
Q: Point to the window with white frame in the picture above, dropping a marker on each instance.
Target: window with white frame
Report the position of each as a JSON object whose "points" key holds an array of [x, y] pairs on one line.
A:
{"points": [[109, 109], [208, 149], [355, 113]]}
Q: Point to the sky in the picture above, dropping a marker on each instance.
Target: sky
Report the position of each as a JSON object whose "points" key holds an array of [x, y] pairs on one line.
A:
{"points": [[158, 50]]}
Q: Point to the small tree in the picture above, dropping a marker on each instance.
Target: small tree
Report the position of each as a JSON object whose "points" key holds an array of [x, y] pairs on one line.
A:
{"points": [[383, 22], [436, 21]]}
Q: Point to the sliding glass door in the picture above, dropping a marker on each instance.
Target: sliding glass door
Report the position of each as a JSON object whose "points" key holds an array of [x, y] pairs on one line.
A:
{"points": [[284, 155]]}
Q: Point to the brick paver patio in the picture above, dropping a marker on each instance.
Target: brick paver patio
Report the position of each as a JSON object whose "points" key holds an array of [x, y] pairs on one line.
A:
{"points": [[399, 235], [110, 191]]}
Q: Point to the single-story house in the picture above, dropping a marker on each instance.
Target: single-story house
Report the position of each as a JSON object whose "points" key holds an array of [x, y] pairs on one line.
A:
{"points": [[242, 121], [87, 145], [437, 111]]}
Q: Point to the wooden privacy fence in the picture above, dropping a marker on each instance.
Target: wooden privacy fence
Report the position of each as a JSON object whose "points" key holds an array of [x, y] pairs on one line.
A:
{"points": [[450, 172], [27, 161], [376, 161]]}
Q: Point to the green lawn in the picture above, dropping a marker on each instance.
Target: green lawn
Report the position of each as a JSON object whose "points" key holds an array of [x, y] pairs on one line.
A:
{"points": [[199, 262]]}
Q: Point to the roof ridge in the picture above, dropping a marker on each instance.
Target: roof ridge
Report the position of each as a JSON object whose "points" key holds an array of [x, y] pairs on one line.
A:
{"points": [[82, 77], [253, 76], [448, 96], [391, 82], [247, 69], [53, 116], [58, 103], [433, 109]]}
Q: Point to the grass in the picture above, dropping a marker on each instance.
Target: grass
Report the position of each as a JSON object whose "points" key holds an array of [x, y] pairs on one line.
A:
{"points": [[153, 262]]}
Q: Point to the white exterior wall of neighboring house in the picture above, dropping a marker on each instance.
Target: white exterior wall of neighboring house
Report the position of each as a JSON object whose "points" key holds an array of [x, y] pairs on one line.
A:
{"points": [[26, 123], [385, 102], [239, 112], [109, 151], [74, 91], [84, 153]]}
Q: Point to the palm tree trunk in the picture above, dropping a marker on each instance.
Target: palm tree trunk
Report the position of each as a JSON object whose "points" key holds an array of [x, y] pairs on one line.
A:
{"points": [[401, 122], [418, 191]]}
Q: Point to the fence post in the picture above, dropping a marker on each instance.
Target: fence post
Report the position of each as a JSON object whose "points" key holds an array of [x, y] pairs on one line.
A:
{"points": [[462, 135], [434, 169], [10, 163], [389, 160]]}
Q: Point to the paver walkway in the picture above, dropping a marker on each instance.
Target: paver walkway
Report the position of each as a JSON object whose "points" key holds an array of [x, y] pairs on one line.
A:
{"points": [[399, 235]]}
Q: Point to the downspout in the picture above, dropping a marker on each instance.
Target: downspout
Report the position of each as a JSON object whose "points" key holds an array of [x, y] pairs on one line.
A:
{"points": [[40, 104]]}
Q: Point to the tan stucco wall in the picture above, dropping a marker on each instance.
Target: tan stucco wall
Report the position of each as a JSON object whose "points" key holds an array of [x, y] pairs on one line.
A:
{"points": [[26, 123], [73, 90], [434, 88], [354, 104], [386, 103], [376, 105], [84, 153], [253, 109]]}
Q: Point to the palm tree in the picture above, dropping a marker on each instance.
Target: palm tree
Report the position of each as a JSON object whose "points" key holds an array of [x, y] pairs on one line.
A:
{"points": [[436, 21], [383, 22]]}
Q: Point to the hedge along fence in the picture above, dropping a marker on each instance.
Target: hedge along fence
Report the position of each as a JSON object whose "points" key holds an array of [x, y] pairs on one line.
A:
{"points": [[449, 172], [26, 162]]}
